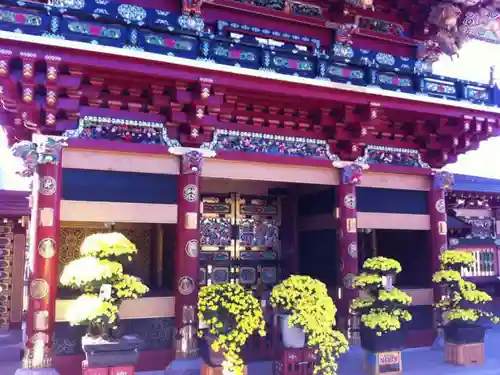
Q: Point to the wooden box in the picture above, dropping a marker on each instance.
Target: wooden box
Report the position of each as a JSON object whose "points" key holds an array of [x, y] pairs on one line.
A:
{"points": [[387, 363], [93, 370], [294, 362], [122, 370], [465, 354], [209, 370]]}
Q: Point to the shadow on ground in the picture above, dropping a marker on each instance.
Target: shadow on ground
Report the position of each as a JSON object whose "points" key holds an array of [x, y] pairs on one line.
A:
{"points": [[420, 361]]}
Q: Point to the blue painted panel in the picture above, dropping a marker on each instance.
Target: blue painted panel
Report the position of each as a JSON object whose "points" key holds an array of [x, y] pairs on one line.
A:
{"points": [[321, 202], [422, 318], [391, 201], [476, 184], [107, 186]]}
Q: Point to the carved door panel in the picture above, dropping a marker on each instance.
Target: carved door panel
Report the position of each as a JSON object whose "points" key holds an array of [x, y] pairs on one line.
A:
{"points": [[239, 240]]}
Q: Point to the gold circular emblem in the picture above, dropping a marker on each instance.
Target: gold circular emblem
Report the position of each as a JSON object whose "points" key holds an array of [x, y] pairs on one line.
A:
{"points": [[47, 248], [192, 248], [185, 285], [441, 206], [47, 185], [190, 193], [39, 289], [350, 201]]}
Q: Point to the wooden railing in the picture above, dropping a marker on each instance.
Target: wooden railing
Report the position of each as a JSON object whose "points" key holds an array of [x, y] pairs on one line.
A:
{"points": [[486, 263]]}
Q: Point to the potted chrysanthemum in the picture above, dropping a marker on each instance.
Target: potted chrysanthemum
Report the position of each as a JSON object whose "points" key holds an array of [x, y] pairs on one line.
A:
{"points": [[308, 318], [99, 274], [229, 315], [459, 304], [381, 306]]}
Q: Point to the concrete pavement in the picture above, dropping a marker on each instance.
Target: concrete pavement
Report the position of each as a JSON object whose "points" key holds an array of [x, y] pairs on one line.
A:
{"points": [[421, 361]]}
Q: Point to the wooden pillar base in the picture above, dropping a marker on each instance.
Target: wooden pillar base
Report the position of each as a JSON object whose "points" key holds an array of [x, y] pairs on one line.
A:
{"points": [[209, 370], [387, 363], [465, 354]]}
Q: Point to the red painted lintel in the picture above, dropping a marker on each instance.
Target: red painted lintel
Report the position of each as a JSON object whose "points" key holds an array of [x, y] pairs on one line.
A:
{"points": [[116, 146]]}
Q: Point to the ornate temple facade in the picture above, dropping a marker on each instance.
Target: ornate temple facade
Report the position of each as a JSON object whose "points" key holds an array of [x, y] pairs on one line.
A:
{"points": [[242, 141]]}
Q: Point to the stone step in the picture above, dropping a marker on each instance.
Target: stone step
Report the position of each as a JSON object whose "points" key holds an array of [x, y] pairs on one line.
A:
{"points": [[9, 337], [10, 353]]}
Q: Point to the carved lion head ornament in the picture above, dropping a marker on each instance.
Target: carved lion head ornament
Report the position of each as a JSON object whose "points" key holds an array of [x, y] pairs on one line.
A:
{"points": [[447, 20]]}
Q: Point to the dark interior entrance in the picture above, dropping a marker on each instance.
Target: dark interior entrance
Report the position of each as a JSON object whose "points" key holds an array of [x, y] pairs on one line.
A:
{"points": [[409, 247]]}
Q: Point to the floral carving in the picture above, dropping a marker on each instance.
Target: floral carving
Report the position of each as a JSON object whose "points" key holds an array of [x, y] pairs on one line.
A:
{"points": [[116, 129], [344, 33], [192, 7], [20, 18], [270, 144], [445, 16], [192, 162], [132, 13], [443, 181], [71, 4], [392, 156], [351, 174]]}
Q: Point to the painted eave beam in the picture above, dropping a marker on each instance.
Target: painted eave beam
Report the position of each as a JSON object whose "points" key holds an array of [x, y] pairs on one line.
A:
{"points": [[169, 67]]}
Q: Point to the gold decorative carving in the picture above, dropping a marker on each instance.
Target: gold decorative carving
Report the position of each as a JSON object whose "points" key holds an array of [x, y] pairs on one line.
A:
{"points": [[187, 342], [72, 238]]}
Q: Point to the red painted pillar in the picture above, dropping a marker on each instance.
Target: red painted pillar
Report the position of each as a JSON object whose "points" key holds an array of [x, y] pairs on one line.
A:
{"points": [[350, 176], [187, 261], [441, 182], [42, 161]]}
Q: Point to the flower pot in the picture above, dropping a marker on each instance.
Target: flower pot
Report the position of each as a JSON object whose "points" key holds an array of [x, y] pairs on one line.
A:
{"points": [[463, 333], [210, 356], [104, 353], [387, 342], [293, 337]]}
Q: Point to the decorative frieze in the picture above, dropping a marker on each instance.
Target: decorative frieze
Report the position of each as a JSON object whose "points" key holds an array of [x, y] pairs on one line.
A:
{"points": [[298, 8], [260, 143], [6, 259], [402, 157], [122, 130], [381, 26], [247, 45]]}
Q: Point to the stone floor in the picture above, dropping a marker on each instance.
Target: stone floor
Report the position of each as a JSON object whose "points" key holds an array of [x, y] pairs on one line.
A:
{"points": [[421, 361]]}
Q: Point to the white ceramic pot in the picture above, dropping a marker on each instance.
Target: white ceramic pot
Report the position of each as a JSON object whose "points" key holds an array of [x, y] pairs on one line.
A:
{"points": [[293, 338]]}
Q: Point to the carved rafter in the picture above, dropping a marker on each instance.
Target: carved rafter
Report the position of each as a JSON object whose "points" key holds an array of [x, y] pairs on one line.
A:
{"points": [[194, 109]]}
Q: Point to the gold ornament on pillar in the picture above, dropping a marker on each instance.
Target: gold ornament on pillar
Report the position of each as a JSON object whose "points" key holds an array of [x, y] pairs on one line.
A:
{"points": [[187, 340], [191, 220]]}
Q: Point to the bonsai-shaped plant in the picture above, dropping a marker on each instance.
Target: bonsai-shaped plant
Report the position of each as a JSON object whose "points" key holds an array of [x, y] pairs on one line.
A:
{"points": [[457, 305], [99, 274], [382, 307], [231, 315], [310, 308]]}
